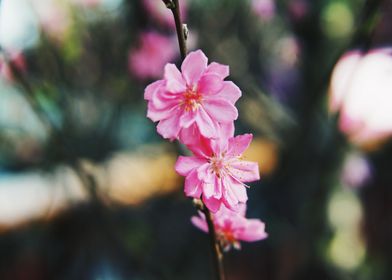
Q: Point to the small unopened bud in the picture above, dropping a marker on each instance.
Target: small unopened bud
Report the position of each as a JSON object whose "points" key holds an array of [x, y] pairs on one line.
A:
{"points": [[185, 30], [198, 204]]}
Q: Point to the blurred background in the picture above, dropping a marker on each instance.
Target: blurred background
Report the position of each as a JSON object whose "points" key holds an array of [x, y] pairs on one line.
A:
{"points": [[88, 188]]}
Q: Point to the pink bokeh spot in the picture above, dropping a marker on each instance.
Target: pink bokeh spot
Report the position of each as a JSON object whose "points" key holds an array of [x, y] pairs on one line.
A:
{"points": [[217, 173], [149, 59], [232, 227], [54, 17], [357, 170], [265, 9], [17, 58], [198, 96], [361, 90]]}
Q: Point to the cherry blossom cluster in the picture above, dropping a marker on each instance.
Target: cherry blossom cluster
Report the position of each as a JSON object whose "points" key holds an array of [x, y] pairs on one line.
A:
{"points": [[196, 106]]}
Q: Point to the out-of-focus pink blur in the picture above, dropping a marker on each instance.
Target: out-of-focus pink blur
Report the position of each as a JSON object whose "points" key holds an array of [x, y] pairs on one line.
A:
{"points": [[361, 90], [149, 59]]}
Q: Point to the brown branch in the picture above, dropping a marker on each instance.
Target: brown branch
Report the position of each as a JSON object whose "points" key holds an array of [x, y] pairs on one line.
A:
{"points": [[174, 6], [215, 246]]}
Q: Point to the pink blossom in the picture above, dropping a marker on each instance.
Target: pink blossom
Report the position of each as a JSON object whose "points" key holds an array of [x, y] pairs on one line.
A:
{"points": [[265, 9], [149, 59], [17, 58], [232, 227], [298, 9], [361, 89], [217, 172], [357, 170], [157, 10], [198, 96]]}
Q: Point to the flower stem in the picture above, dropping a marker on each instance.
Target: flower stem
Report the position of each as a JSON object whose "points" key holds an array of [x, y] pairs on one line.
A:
{"points": [[215, 246], [174, 6], [217, 253]]}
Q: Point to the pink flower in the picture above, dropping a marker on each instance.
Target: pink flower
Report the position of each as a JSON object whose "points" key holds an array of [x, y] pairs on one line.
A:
{"points": [[265, 9], [157, 10], [361, 89], [17, 58], [217, 172], [357, 170], [197, 96], [155, 50], [232, 227]]}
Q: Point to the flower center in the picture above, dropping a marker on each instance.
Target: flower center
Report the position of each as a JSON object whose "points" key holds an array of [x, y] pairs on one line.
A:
{"points": [[191, 100], [226, 238], [218, 165]]}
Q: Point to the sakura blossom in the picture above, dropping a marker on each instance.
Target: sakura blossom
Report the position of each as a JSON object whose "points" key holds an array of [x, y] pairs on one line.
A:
{"points": [[361, 90], [232, 227], [265, 9], [357, 170], [197, 96], [18, 59], [149, 59], [217, 172]]}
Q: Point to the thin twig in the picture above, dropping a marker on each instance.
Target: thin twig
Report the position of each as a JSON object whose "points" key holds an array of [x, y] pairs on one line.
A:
{"points": [[215, 246], [29, 95], [174, 6]]}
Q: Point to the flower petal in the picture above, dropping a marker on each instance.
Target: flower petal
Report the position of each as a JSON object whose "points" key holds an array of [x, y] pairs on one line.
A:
{"points": [[218, 188], [212, 188], [212, 204], [254, 231], [208, 190], [221, 110], [204, 173], [219, 69], [230, 91], [240, 192], [161, 103], [174, 81], [185, 165], [225, 132], [187, 118], [238, 144], [159, 114], [206, 125], [245, 171], [152, 88], [169, 128], [192, 187], [162, 98], [193, 67], [200, 223], [197, 144], [209, 84], [229, 197]]}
